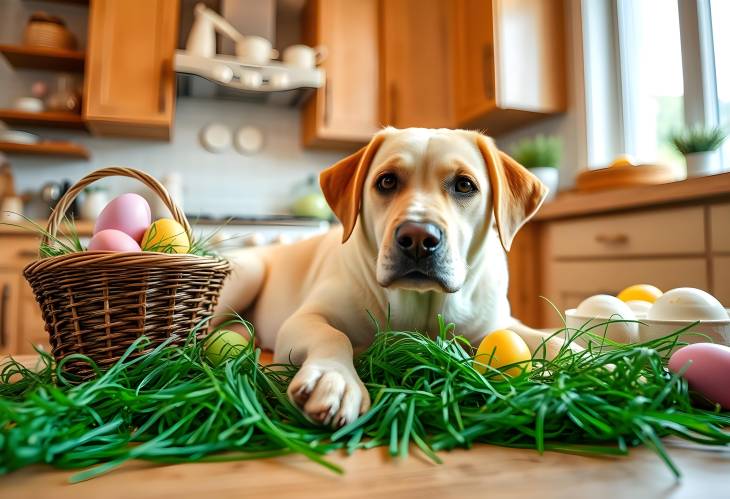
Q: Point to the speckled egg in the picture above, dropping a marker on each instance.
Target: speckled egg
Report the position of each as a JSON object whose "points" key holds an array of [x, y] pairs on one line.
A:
{"points": [[687, 304]]}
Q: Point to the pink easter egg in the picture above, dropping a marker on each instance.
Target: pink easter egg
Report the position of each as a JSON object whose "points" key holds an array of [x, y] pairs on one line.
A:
{"points": [[113, 240], [709, 372], [129, 213]]}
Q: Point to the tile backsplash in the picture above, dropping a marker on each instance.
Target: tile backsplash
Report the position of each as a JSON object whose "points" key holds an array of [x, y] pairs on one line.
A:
{"points": [[226, 183]]}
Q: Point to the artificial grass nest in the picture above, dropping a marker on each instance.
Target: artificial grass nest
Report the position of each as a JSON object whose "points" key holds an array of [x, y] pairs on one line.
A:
{"points": [[171, 406]]}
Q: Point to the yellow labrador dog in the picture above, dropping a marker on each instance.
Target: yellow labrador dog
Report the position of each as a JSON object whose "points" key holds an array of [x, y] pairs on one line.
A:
{"points": [[427, 216]]}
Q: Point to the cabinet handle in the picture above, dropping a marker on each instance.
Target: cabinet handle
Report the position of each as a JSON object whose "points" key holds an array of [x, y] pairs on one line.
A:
{"points": [[612, 239], [27, 253], [488, 71], [393, 104], [327, 102], [3, 305]]}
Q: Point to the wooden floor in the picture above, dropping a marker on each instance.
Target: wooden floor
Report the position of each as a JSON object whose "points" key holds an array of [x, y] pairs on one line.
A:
{"points": [[483, 472]]}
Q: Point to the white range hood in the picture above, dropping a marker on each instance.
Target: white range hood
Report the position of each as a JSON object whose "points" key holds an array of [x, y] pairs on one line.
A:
{"points": [[230, 72]]}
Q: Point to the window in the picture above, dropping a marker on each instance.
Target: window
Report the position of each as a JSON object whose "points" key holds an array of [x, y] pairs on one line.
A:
{"points": [[652, 84], [651, 68], [720, 10]]}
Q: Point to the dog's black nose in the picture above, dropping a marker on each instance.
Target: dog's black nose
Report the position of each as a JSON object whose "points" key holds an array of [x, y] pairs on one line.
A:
{"points": [[418, 240]]}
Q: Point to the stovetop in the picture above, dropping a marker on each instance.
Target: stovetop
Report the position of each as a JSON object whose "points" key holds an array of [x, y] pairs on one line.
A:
{"points": [[206, 219]]}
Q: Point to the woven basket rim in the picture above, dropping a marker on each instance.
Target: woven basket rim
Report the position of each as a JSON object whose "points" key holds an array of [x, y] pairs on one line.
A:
{"points": [[150, 259]]}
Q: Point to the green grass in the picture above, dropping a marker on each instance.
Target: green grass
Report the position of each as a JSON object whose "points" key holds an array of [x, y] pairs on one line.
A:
{"points": [[171, 406]]}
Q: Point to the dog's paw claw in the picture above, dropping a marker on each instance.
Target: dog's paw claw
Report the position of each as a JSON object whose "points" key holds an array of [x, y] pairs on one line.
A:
{"points": [[329, 394]]}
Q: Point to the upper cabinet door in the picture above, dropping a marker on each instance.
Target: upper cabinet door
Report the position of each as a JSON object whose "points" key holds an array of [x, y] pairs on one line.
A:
{"points": [[416, 63], [473, 40], [509, 67], [130, 83], [345, 112]]}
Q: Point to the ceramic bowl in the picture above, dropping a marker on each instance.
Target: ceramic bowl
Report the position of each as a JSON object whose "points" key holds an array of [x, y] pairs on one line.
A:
{"points": [[717, 330], [621, 332]]}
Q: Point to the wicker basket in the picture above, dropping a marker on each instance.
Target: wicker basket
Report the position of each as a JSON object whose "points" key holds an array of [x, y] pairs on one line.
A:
{"points": [[97, 303]]}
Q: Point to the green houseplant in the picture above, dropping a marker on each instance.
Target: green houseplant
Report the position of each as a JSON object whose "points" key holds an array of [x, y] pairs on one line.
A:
{"points": [[699, 145], [541, 155]]}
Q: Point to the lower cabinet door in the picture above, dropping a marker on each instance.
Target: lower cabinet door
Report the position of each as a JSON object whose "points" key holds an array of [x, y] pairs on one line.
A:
{"points": [[32, 328], [721, 279], [9, 329]]}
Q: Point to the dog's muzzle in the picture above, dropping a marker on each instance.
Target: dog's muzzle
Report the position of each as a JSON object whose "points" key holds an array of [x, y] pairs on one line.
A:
{"points": [[419, 256]]}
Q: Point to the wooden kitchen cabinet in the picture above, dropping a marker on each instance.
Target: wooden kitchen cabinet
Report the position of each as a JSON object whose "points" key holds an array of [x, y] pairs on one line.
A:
{"points": [[129, 82], [416, 59], [345, 112], [671, 235], [21, 323], [509, 62], [9, 299]]}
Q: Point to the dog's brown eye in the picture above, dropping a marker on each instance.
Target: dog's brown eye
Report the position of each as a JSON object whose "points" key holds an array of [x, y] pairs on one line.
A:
{"points": [[387, 182], [464, 185]]}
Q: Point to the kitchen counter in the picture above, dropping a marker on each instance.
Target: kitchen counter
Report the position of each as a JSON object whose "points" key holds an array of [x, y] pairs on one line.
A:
{"points": [[26, 228], [86, 227], [574, 203], [482, 471]]}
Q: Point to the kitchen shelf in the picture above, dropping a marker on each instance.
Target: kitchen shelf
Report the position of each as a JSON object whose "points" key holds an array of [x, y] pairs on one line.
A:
{"points": [[46, 148], [46, 119], [26, 57]]}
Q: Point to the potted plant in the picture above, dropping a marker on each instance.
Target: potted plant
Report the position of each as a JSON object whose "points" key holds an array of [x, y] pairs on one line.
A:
{"points": [[699, 146], [541, 156]]}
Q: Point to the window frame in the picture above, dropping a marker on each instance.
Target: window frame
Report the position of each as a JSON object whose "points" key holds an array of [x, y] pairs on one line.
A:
{"points": [[612, 49]]}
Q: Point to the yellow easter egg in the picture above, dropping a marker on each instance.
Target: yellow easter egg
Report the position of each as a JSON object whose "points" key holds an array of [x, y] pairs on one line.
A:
{"points": [[502, 348], [166, 236], [641, 292]]}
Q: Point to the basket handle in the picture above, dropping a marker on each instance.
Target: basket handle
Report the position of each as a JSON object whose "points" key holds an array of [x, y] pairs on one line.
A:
{"points": [[54, 222]]}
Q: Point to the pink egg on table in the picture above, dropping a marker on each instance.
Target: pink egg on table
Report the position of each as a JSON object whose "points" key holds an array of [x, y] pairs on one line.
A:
{"points": [[129, 213], [709, 373], [113, 240]]}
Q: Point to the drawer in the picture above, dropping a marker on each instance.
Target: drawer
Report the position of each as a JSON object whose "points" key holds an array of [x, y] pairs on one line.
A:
{"points": [[18, 251], [568, 283], [663, 232], [720, 227], [721, 279]]}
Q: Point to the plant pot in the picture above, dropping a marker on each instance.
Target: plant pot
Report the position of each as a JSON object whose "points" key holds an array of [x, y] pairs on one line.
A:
{"points": [[548, 175], [703, 163]]}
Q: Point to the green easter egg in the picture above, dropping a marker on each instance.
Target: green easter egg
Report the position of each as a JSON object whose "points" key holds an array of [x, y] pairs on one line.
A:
{"points": [[223, 345]]}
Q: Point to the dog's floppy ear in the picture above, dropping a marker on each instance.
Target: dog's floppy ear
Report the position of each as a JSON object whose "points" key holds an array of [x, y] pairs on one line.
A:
{"points": [[342, 184], [517, 194]]}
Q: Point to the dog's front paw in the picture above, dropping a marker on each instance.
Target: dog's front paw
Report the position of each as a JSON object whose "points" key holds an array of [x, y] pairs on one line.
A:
{"points": [[329, 393]]}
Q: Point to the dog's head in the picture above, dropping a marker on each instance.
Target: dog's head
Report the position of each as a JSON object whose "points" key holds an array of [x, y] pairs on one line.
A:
{"points": [[426, 199]]}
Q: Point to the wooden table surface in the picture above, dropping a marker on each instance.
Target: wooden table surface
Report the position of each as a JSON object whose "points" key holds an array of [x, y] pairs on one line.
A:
{"points": [[484, 471]]}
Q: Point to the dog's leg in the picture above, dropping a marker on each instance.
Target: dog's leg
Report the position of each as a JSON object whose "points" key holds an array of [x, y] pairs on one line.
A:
{"points": [[326, 388], [241, 288]]}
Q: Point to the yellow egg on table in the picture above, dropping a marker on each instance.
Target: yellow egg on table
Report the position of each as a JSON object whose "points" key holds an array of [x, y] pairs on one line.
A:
{"points": [[166, 236], [502, 348], [640, 292]]}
